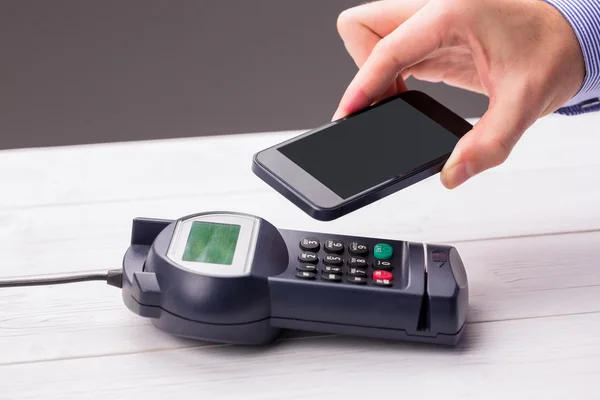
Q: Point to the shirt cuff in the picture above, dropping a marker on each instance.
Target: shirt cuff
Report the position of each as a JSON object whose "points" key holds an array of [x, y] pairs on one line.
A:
{"points": [[584, 18]]}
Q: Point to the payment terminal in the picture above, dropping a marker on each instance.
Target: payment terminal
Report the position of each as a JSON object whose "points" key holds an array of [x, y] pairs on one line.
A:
{"points": [[235, 278]]}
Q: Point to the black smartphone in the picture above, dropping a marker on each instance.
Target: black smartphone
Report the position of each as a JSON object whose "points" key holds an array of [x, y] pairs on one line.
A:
{"points": [[349, 163]]}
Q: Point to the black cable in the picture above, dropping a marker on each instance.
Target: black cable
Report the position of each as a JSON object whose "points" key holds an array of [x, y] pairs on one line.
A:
{"points": [[112, 277]]}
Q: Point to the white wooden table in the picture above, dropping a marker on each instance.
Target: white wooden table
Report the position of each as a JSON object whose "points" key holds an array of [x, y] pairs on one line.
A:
{"points": [[528, 231]]}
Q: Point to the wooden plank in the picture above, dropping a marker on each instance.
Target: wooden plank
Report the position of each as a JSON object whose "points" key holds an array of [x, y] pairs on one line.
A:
{"points": [[549, 201], [221, 165], [546, 358], [509, 279], [94, 236]]}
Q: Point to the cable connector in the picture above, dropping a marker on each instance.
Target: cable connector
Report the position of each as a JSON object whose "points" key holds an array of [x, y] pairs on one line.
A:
{"points": [[115, 278]]}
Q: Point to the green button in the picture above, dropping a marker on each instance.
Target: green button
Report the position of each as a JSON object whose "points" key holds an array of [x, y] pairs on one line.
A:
{"points": [[383, 251]]}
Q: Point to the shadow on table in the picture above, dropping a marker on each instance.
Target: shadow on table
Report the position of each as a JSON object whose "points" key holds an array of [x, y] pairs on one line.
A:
{"points": [[351, 343], [467, 343]]}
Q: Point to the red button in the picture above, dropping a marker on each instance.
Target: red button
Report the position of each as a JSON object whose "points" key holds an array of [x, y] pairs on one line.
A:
{"points": [[382, 275]]}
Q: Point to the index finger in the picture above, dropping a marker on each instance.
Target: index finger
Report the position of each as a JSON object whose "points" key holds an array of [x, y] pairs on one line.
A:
{"points": [[410, 43]]}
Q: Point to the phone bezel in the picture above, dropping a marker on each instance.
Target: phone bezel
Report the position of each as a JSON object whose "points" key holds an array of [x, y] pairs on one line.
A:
{"points": [[320, 197]]}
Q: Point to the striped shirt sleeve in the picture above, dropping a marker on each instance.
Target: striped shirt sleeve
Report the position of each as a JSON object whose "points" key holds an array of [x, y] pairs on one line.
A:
{"points": [[584, 18]]}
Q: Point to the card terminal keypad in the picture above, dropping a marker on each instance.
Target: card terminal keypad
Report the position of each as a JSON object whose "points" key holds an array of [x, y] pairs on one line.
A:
{"points": [[352, 262]]}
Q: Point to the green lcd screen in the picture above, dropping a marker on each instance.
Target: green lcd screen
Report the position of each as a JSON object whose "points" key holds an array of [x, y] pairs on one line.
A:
{"points": [[211, 243]]}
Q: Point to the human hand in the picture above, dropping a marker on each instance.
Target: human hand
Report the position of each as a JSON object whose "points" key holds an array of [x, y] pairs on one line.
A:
{"points": [[522, 54]]}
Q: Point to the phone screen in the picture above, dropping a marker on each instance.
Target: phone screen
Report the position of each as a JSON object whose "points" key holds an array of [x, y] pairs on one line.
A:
{"points": [[361, 152]]}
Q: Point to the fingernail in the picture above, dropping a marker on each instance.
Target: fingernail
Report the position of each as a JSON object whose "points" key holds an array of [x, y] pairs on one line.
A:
{"points": [[455, 175]]}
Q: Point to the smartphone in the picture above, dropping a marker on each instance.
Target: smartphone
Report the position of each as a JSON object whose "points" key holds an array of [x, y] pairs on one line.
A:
{"points": [[349, 163]]}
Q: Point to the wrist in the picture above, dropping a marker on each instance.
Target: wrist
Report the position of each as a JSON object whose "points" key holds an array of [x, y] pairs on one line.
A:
{"points": [[584, 20]]}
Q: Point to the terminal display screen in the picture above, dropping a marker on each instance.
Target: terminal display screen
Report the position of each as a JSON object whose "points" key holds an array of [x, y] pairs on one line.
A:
{"points": [[211, 243]]}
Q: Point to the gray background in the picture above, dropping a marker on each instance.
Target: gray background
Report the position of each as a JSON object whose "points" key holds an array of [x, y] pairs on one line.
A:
{"points": [[75, 72]]}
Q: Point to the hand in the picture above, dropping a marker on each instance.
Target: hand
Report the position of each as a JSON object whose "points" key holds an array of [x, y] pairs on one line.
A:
{"points": [[522, 54]]}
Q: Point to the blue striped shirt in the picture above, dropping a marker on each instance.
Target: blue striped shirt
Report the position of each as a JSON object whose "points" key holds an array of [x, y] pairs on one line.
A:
{"points": [[584, 17]]}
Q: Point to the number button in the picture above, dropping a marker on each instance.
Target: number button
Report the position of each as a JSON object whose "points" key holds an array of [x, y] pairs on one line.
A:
{"points": [[358, 249], [333, 260], [306, 275], [332, 277], [357, 279], [332, 270], [357, 262], [307, 268], [333, 246], [310, 244], [382, 264], [307, 257], [383, 251], [357, 272]]}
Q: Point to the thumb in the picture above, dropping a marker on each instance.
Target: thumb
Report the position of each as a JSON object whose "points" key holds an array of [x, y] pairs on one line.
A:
{"points": [[491, 140], [407, 45]]}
